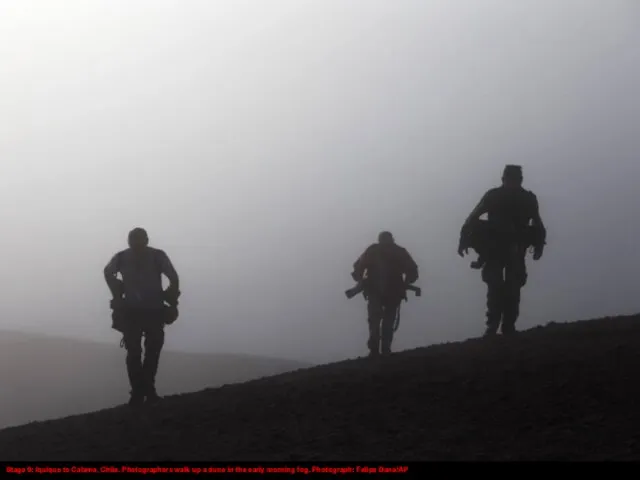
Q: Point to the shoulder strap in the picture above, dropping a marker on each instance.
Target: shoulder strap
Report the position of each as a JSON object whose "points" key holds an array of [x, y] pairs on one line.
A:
{"points": [[157, 259], [119, 259]]}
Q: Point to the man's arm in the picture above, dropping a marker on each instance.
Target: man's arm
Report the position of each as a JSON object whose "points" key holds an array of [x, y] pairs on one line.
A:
{"points": [[535, 214], [111, 277], [169, 271], [480, 209], [410, 268], [536, 221], [360, 265]]}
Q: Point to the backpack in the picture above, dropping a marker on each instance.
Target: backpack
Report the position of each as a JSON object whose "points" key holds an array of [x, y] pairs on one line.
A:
{"points": [[157, 259], [170, 312], [384, 272], [484, 237]]}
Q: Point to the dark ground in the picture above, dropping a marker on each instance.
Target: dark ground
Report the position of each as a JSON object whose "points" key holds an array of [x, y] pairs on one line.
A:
{"points": [[564, 391]]}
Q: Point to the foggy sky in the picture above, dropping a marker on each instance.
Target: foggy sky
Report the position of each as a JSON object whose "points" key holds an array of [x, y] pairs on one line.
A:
{"points": [[264, 145]]}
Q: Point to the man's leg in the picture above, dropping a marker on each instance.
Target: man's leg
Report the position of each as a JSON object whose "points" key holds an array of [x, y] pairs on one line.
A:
{"points": [[153, 343], [390, 311], [132, 342], [374, 310], [515, 279], [492, 275]]}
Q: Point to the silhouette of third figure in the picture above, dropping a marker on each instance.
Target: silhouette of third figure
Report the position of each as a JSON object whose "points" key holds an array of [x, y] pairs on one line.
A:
{"points": [[383, 272]]}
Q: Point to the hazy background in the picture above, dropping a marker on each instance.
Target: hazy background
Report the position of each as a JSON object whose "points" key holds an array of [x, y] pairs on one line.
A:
{"points": [[264, 144], [44, 377]]}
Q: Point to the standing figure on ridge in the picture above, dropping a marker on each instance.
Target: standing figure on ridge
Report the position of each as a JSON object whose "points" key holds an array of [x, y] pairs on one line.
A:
{"points": [[384, 272], [141, 308], [513, 225]]}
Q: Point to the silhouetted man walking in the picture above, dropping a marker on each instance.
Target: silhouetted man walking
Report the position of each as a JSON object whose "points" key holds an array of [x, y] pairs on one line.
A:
{"points": [[385, 269], [513, 218], [140, 309]]}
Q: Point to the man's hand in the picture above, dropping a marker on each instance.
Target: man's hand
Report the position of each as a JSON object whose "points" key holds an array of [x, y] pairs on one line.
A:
{"points": [[537, 252], [463, 249], [171, 295], [170, 315]]}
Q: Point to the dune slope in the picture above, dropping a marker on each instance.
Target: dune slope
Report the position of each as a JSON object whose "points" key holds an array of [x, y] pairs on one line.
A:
{"points": [[44, 377], [564, 391]]}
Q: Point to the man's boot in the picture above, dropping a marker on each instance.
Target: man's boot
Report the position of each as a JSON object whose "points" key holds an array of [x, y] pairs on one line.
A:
{"points": [[385, 349], [150, 394], [492, 327], [490, 331], [374, 350], [153, 398], [374, 343], [508, 326], [154, 340], [136, 380], [136, 399], [508, 330], [494, 314]]}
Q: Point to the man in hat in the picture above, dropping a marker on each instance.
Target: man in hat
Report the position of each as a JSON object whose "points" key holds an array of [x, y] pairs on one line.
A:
{"points": [[385, 268], [140, 309], [512, 212]]}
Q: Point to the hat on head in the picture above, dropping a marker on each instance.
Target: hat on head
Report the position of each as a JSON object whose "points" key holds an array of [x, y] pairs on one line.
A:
{"points": [[512, 171], [138, 233], [385, 237]]}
